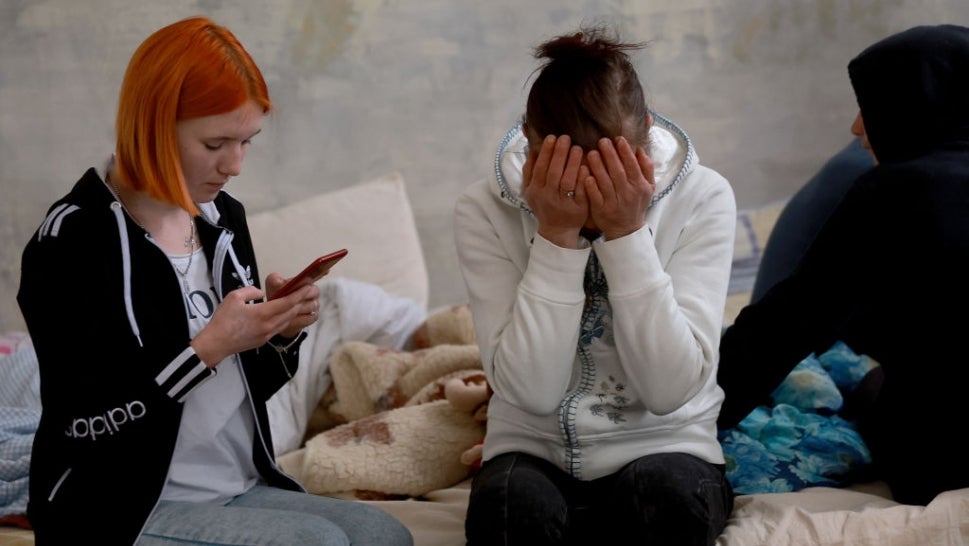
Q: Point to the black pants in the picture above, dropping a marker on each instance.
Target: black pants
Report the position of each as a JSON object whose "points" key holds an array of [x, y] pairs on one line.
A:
{"points": [[664, 499]]}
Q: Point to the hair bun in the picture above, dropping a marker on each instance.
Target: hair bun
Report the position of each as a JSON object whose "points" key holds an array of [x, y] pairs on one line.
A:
{"points": [[594, 43]]}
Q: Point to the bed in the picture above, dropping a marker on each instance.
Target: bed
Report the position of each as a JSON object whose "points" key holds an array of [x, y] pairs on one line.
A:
{"points": [[388, 407]]}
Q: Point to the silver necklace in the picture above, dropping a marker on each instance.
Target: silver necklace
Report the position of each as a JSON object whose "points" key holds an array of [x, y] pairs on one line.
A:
{"points": [[190, 246], [189, 241]]}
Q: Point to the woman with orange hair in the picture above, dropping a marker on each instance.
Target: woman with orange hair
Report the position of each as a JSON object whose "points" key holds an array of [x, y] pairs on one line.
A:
{"points": [[161, 429]]}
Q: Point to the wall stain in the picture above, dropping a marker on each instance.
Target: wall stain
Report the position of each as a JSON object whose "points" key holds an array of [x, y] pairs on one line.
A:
{"points": [[322, 32], [793, 32], [745, 38]]}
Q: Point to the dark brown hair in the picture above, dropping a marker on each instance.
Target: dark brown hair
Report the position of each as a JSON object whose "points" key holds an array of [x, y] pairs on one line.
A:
{"points": [[588, 89]]}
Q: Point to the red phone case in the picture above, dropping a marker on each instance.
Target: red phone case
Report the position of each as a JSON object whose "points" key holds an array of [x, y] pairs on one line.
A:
{"points": [[316, 269]]}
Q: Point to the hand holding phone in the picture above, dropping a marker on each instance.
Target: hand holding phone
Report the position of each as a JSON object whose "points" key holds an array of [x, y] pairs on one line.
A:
{"points": [[314, 271]]}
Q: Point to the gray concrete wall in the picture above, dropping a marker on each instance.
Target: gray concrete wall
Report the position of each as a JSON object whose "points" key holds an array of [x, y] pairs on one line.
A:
{"points": [[428, 87]]}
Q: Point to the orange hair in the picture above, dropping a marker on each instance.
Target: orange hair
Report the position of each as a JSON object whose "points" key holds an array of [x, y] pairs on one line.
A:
{"points": [[192, 68]]}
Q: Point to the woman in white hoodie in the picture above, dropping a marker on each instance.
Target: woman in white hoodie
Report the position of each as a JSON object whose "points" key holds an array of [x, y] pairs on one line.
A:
{"points": [[597, 258]]}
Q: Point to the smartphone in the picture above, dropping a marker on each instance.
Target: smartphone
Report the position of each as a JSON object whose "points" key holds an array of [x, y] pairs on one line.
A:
{"points": [[314, 272]]}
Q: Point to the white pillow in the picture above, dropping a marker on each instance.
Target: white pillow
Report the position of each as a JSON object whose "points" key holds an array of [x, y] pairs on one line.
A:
{"points": [[373, 220]]}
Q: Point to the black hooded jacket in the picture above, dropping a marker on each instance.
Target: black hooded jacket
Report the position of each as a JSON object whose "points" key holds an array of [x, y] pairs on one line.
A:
{"points": [[107, 317], [889, 271]]}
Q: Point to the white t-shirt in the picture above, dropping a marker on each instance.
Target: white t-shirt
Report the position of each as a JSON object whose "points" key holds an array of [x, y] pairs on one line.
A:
{"points": [[213, 454]]}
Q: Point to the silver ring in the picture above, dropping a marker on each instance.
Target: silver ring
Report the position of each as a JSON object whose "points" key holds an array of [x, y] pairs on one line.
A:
{"points": [[312, 313], [570, 194]]}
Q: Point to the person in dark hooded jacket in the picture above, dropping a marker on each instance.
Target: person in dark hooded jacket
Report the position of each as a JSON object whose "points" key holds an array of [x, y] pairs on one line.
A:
{"points": [[888, 273]]}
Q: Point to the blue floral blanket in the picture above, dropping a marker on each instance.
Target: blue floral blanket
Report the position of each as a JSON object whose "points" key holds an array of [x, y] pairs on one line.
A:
{"points": [[801, 440]]}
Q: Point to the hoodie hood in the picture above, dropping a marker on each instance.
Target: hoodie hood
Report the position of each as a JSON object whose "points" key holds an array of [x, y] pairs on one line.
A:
{"points": [[912, 89], [670, 149], [209, 213]]}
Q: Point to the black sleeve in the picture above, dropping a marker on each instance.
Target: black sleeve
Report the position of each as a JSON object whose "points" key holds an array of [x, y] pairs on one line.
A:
{"points": [[804, 313]]}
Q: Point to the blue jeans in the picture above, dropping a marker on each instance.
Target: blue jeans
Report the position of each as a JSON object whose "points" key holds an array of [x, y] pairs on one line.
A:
{"points": [[667, 498], [272, 516]]}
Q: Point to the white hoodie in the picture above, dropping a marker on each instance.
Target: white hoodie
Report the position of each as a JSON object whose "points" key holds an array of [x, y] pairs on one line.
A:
{"points": [[592, 388]]}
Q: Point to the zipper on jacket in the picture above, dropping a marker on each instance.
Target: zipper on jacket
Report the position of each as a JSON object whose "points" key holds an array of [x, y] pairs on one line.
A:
{"points": [[259, 433]]}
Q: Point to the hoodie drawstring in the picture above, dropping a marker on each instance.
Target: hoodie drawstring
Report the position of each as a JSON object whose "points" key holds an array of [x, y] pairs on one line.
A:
{"points": [[223, 250], [126, 269]]}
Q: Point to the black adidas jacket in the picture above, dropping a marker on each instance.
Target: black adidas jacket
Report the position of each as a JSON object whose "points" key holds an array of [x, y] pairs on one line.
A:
{"points": [[107, 317]]}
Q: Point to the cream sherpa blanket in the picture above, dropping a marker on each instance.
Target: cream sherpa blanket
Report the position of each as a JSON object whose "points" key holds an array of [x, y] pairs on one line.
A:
{"points": [[389, 430]]}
